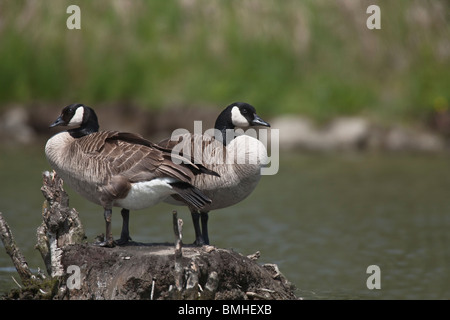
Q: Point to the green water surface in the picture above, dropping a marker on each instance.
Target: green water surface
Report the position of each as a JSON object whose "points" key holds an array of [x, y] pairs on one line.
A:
{"points": [[324, 219]]}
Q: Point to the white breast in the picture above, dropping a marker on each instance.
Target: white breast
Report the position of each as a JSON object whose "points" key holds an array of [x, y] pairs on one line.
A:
{"points": [[239, 173], [146, 194], [64, 163], [247, 150]]}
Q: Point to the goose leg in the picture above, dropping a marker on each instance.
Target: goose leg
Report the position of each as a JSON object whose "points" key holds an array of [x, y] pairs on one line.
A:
{"points": [[109, 241], [198, 233], [125, 234], [204, 218]]}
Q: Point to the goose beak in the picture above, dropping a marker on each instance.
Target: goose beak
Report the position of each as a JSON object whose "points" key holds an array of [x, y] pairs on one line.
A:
{"points": [[257, 121], [58, 122]]}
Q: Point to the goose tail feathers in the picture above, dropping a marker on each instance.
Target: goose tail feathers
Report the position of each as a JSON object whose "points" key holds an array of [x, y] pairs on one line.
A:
{"points": [[189, 194]]}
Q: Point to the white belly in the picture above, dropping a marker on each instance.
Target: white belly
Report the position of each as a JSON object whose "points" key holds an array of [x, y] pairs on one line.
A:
{"points": [[146, 194]]}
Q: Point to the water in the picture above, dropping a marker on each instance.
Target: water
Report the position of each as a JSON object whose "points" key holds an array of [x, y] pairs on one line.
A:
{"points": [[323, 219]]}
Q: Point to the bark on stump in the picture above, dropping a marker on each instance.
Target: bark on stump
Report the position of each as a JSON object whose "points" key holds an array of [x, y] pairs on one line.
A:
{"points": [[80, 270]]}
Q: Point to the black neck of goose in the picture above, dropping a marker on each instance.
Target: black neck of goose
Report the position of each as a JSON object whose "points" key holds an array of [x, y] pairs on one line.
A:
{"points": [[88, 127], [224, 124]]}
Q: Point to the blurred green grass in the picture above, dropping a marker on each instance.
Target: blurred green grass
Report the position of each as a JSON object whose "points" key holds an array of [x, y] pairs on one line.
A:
{"points": [[312, 57]]}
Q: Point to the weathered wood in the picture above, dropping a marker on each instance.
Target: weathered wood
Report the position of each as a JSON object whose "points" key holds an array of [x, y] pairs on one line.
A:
{"points": [[61, 226], [80, 270], [13, 251], [142, 271], [178, 255]]}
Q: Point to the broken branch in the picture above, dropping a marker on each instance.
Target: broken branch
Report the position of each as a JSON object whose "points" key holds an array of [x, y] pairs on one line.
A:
{"points": [[178, 228], [13, 251]]}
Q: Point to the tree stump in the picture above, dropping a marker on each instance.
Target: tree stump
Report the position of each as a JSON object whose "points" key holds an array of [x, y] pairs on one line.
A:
{"points": [[81, 270]]}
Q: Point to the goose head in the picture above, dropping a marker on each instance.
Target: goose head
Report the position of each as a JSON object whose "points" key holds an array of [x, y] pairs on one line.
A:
{"points": [[81, 120], [238, 115]]}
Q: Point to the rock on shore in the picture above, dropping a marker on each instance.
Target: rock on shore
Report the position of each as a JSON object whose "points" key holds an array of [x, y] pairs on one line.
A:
{"points": [[22, 126], [354, 134]]}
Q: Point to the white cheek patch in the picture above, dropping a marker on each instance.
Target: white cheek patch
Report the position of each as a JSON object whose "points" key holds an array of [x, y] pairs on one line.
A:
{"points": [[77, 118], [238, 119]]}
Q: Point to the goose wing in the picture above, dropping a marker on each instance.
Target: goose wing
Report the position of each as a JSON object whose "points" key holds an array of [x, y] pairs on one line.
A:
{"points": [[203, 150], [133, 157]]}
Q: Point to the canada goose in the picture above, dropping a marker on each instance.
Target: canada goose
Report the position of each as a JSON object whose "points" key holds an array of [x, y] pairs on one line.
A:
{"points": [[117, 169], [236, 179]]}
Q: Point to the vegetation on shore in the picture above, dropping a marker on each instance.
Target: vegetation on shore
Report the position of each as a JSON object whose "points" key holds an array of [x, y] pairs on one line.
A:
{"points": [[317, 58]]}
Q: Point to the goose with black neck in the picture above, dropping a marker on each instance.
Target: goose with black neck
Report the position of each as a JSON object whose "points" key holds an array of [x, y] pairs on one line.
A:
{"points": [[118, 169]]}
